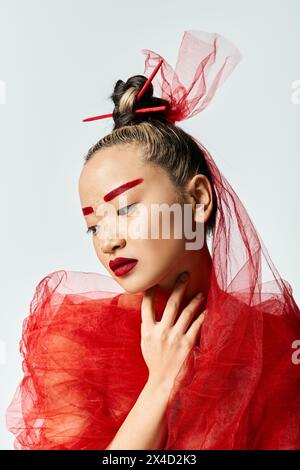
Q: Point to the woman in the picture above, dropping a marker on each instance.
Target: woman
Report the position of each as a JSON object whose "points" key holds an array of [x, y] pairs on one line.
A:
{"points": [[157, 366]]}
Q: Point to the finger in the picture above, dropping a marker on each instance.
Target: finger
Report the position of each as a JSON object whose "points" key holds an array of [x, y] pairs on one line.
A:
{"points": [[188, 313], [147, 307], [173, 303], [195, 326]]}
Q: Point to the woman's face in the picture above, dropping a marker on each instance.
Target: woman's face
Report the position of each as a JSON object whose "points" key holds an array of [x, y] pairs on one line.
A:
{"points": [[159, 258]]}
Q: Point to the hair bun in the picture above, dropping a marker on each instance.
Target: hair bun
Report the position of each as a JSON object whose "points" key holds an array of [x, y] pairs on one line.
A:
{"points": [[125, 100]]}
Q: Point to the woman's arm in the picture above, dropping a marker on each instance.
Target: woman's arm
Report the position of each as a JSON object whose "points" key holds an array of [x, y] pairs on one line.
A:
{"points": [[144, 426]]}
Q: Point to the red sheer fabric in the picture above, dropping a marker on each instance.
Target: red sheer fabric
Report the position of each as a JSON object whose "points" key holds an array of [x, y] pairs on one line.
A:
{"points": [[238, 388], [204, 62]]}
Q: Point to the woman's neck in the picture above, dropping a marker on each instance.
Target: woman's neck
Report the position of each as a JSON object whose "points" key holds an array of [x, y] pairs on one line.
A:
{"points": [[199, 265]]}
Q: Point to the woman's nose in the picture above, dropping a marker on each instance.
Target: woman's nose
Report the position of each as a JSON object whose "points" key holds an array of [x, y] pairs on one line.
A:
{"points": [[109, 245]]}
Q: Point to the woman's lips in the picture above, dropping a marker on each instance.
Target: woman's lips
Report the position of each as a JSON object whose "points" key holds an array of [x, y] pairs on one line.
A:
{"points": [[125, 268], [122, 265]]}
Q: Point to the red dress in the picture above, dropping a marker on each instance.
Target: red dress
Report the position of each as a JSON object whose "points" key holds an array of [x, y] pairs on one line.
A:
{"points": [[83, 371]]}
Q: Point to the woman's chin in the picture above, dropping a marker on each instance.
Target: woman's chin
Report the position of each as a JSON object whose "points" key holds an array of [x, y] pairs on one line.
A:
{"points": [[130, 283], [133, 282], [132, 286]]}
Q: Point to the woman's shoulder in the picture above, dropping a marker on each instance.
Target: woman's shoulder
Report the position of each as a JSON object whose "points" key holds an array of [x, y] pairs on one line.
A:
{"points": [[88, 284], [79, 306], [79, 309], [76, 287], [67, 303], [73, 352]]}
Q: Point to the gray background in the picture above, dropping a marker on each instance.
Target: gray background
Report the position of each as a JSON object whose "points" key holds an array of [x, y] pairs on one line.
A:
{"points": [[59, 60]]}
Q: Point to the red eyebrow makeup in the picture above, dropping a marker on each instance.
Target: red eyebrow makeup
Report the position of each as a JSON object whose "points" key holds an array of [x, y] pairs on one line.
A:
{"points": [[115, 192], [120, 189], [87, 210]]}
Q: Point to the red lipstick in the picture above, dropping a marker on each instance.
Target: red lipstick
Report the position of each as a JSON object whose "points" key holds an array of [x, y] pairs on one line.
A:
{"points": [[122, 266]]}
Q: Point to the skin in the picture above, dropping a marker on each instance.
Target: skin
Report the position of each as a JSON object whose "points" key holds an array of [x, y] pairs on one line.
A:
{"points": [[166, 343]]}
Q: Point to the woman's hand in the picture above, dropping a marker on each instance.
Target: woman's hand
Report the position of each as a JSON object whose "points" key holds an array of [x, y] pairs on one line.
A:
{"points": [[165, 344]]}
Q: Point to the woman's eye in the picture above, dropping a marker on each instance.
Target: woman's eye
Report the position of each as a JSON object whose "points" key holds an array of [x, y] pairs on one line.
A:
{"points": [[92, 229], [124, 208]]}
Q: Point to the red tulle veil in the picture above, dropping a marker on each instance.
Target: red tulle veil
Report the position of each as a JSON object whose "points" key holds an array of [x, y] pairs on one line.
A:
{"points": [[82, 363]]}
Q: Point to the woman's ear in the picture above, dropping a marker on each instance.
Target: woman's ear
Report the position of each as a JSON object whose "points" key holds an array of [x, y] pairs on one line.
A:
{"points": [[199, 191]]}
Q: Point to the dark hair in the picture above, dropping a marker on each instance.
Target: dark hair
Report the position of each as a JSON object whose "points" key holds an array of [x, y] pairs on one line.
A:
{"points": [[164, 143]]}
